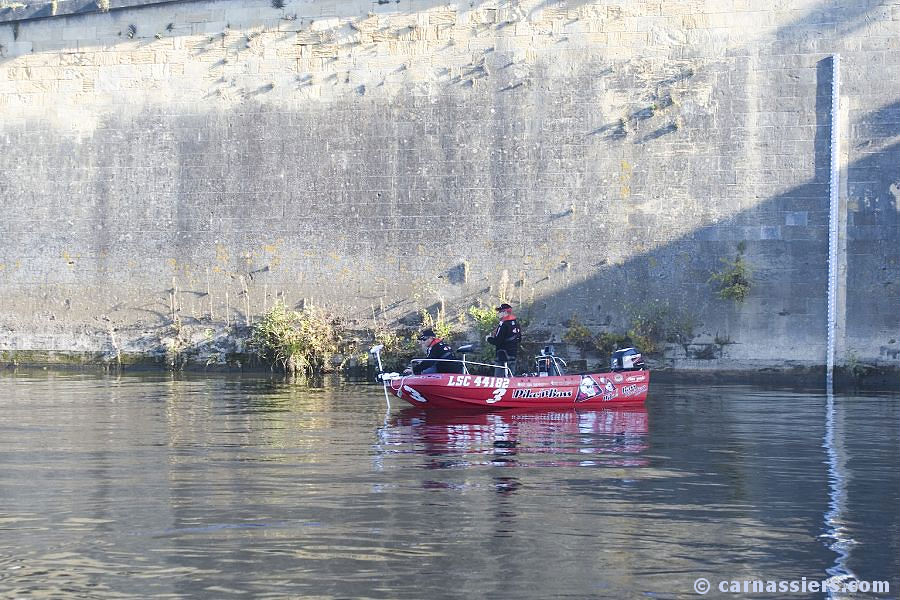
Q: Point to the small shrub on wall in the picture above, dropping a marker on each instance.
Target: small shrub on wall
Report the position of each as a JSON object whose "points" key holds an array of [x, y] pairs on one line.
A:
{"points": [[734, 277], [299, 342]]}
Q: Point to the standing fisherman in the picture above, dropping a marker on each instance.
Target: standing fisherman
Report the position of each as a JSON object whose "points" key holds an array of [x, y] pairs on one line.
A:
{"points": [[438, 356], [506, 338]]}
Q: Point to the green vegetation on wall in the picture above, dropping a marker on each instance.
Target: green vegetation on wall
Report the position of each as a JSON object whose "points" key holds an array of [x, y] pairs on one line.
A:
{"points": [[734, 277], [650, 326], [297, 341]]}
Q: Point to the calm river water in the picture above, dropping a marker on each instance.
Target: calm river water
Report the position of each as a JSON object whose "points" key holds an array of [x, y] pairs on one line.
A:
{"points": [[226, 487]]}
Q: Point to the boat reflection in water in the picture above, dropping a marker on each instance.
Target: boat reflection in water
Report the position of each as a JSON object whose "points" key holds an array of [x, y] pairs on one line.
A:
{"points": [[613, 437]]}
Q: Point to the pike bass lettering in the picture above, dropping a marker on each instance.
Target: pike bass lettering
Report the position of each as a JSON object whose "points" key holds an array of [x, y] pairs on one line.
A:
{"points": [[545, 393]]}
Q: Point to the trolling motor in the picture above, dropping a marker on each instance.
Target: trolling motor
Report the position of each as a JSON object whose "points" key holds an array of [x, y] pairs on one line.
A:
{"points": [[382, 376], [376, 352]]}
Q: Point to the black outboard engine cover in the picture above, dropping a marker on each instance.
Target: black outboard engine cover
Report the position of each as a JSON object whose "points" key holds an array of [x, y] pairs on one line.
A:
{"points": [[626, 359]]}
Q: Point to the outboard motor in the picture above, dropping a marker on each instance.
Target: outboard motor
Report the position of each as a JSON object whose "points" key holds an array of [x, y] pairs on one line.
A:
{"points": [[626, 359], [548, 363]]}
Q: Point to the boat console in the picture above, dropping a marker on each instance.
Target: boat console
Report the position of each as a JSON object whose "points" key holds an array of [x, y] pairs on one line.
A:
{"points": [[548, 363]]}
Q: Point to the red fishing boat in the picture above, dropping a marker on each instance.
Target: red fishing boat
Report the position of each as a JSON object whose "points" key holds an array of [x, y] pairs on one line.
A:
{"points": [[548, 387]]}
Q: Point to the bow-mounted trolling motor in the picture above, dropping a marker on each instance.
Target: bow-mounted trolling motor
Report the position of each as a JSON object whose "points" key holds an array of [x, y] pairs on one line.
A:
{"points": [[381, 376]]}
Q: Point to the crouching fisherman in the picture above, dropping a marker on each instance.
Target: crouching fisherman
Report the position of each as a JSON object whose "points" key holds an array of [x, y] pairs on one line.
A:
{"points": [[438, 356]]}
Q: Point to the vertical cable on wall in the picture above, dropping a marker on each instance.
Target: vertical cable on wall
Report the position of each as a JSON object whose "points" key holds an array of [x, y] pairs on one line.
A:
{"points": [[837, 532], [834, 202]]}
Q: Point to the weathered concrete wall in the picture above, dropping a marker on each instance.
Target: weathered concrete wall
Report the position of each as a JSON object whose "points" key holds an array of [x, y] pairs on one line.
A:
{"points": [[201, 159]]}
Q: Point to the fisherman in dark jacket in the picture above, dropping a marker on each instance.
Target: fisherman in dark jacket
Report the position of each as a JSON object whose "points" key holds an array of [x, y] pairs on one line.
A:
{"points": [[435, 348], [506, 338]]}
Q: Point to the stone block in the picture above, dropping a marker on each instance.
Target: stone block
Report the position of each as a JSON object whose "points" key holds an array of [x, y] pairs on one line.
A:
{"points": [[15, 49]]}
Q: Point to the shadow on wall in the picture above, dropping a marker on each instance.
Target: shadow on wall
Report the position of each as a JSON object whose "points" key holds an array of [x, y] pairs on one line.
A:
{"points": [[787, 248], [785, 236], [834, 18]]}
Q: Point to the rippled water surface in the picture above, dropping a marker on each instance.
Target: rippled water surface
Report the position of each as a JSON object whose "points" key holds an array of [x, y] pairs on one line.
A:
{"points": [[221, 487]]}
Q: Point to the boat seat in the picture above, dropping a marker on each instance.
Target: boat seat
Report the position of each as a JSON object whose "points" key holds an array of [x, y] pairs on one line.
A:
{"points": [[465, 349]]}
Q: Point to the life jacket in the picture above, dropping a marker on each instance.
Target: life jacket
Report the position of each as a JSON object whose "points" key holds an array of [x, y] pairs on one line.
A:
{"points": [[434, 351], [438, 349], [513, 335]]}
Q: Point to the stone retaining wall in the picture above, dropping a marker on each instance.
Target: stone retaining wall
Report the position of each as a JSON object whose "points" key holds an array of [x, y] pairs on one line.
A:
{"points": [[198, 161]]}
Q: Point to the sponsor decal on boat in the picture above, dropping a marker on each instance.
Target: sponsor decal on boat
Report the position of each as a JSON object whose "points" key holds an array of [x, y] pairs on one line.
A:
{"points": [[633, 390], [414, 394], [591, 388], [608, 385], [544, 393], [618, 378], [635, 378]]}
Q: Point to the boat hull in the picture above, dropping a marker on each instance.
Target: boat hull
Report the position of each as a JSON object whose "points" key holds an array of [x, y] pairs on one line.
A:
{"points": [[480, 392]]}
